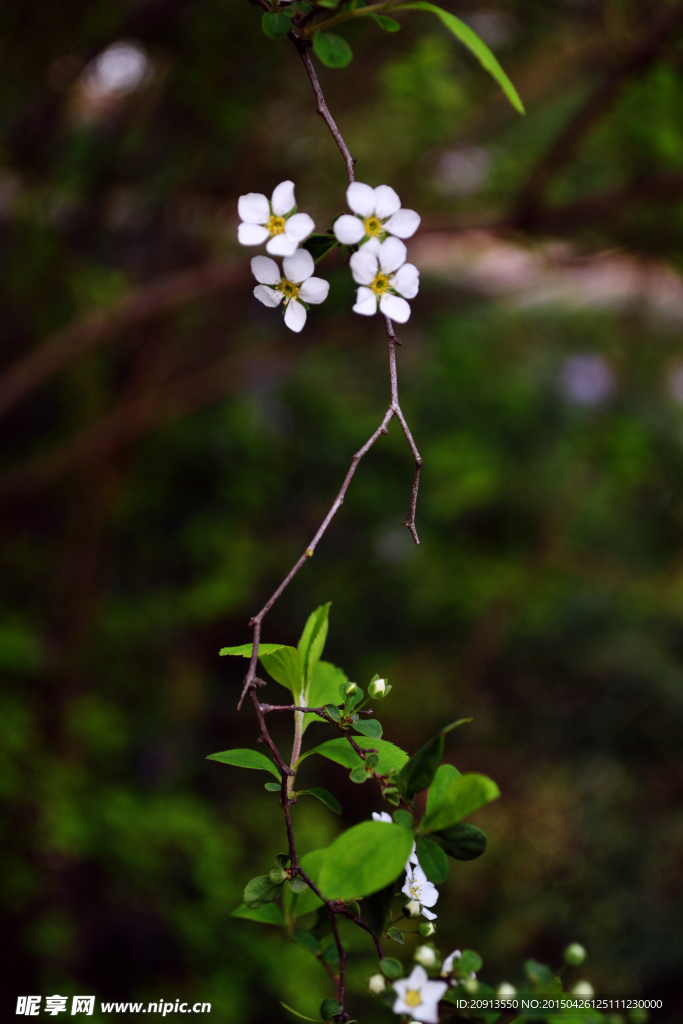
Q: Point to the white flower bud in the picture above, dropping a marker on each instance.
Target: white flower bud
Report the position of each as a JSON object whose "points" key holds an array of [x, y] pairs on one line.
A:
{"points": [[574, 955], [426, 956], [412, 909], [377, 688], [471, 986], [426, 929], [376, 984], [350, 689], [583, 988], [505, 990]]}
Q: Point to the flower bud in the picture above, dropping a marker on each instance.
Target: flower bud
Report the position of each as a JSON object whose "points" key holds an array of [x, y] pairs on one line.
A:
{"points": [[412, 909], [505, 990], [376, 984], [350, 689], [471, 986], [426, 929], [574, 955], [426, 956], [583, 988], [377, 688]]}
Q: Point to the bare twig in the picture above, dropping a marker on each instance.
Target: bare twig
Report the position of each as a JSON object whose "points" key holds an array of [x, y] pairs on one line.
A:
{"points": [[322, 108]]}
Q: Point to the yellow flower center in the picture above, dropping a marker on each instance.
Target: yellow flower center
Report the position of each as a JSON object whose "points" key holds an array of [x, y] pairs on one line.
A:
{"points": [[381, 284], [412, 997], [373, 226], [289, 289], [276, 225]]}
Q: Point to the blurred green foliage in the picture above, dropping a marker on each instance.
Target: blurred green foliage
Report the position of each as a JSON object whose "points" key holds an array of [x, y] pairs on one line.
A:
{"points": [[546, 596]]}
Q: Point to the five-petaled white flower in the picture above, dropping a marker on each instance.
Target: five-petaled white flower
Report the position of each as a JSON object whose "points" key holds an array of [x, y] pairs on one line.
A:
{"points": [[385, 279], [420, 890], [419, 996], [377, 212], [274, 221], [293, 288]]}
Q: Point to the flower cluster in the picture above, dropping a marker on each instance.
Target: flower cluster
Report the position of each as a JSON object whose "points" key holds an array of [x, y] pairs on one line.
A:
{"points": [[375, 229]]}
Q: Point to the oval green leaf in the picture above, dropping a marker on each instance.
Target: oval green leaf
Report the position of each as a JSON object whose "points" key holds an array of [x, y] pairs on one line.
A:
{"points": [[391, 757], [364, 859], [433, 860], [369, 727], [462, 842], [332, 49], [245, 758], [324, 796], [275, 25], [463, 796]]}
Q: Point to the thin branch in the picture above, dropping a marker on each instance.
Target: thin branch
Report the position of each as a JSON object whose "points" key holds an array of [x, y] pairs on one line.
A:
{"points": [[322, 108]]}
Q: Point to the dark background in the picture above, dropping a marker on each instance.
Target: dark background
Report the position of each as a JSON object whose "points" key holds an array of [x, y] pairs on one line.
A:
{"points": [[169, 449]]}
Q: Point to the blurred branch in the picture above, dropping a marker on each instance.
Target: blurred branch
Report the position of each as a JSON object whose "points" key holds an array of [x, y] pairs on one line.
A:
{"points": [[104, 325], [637, 60]]}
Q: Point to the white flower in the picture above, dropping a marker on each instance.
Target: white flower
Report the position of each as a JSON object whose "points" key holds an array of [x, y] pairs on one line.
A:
{"points": [[376, 984], [385, 278], [274, 221], [447, 965], [419, 996], [377, 689], [377, 212], [295, 287], [425, 955], [382, 816], [412, 908], [420, 890]]}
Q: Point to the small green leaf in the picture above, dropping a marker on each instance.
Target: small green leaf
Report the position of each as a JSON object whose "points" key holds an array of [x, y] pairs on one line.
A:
{"points": [[473, 43], [333, 712], [391, 757], [397, 935], [273, 787], [364, 859], [404, 819], [316, 1020], [419, 771], [298, 885], [312, 641], [540, 976], [331, 955], [462, 842], [433, 860], [368, 727], [391, 968], [464, 795], [324, 796], [332, 49], [388, 24], [244, 650], [275, 26], [269, 913], [245, 758], [359, 775], [469, 962], [261, 890], [330, 1008], [298, 904]]}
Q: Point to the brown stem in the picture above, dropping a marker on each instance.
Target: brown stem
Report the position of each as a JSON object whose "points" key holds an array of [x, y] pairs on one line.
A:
{"points": [[322, 108]]}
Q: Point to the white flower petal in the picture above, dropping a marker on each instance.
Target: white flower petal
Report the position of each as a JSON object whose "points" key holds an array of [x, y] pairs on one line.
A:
{"points": [[372, 245], [386, 201], [268, 296], [298, 266], [252, 234], [295, 315], [396, 309], [361, 198], [428, 914], [403, 224], [382, 816], [314, 290], [366, 302], [348, 230], [406, 281], [299, 226], [253, 208], [281, 245], [392, 254], [364, 266], [266, 271], [283, 198]]}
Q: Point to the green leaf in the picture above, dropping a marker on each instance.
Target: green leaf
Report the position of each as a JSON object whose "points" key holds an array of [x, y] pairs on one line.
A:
{"points": [[540, 976], [419, 771], [324, 796], [364, 859], [273, 787], [368, 727], [275, 26], [244, 650], [312, 641], [376, 907], [391, 968], [397, 935], [473, 43], [391, 757], [469, 962], [319, 245], [446, 773], [332, 50], [298, 885], [284, 666], [245, 758], [388, 24], [404, 819], [333, 712], [331, 955], [316, 1020], [307, 941], [269, 913], [324, 688], [330, 1008], [433, 860], [261, 890], [462, 842], [463, 796], [298, 904]]}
